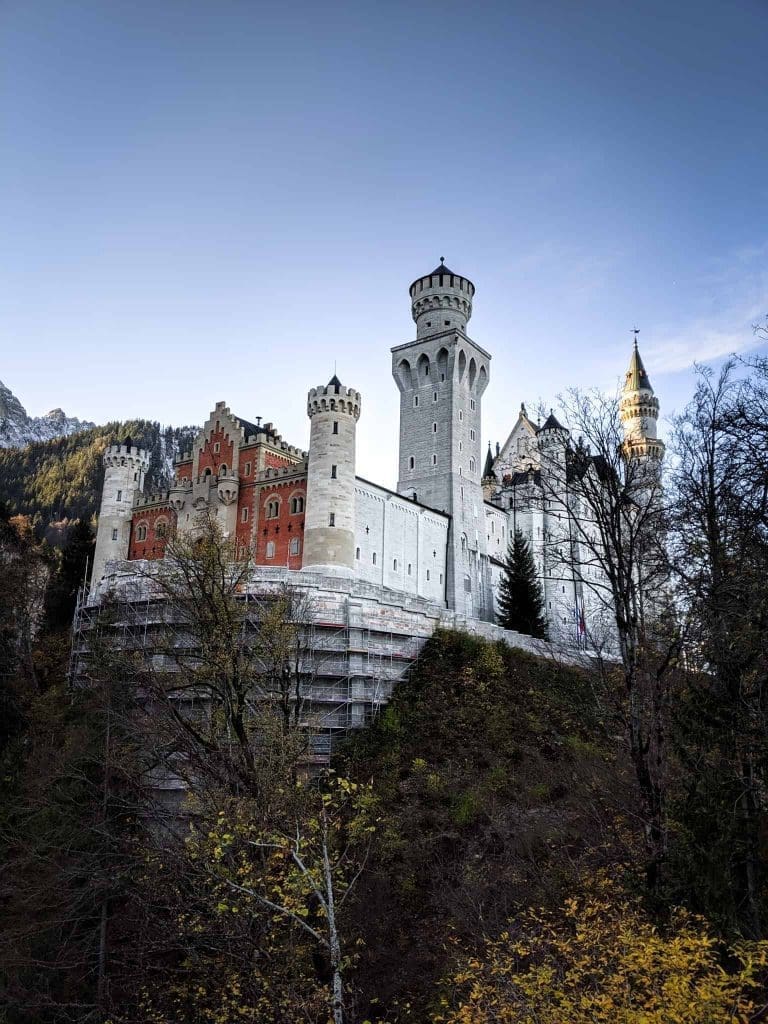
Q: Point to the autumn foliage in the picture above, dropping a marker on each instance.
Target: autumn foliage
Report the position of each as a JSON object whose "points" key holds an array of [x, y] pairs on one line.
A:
{"points": [[600, 960]]}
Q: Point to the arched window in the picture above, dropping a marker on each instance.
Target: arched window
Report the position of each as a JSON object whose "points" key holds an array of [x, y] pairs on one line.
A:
{"points": [[374, 558], [411, 462], [471, 465], [357, 553], [273, 508], [434, 460], [161, 528], [270, 552], [297, 504], [394, 564], [409, 568], [295, 546], [141, 531], [223, 469]]}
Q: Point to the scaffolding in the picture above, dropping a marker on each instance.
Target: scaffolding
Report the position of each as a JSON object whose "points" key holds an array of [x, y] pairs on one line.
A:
{"points": [[348, 670]]}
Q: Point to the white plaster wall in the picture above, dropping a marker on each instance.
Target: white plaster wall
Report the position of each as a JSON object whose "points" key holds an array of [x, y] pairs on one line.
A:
{"points": [[402, 535]]}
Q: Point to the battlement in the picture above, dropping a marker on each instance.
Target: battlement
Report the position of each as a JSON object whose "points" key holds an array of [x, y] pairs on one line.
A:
{"points": [[443, 295], [298, 470], [129, 455], [144, 501], [334, 397]]}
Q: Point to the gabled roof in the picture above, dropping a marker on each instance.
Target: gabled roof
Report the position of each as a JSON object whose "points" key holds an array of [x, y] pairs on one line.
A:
{"points": [[334, 382]]}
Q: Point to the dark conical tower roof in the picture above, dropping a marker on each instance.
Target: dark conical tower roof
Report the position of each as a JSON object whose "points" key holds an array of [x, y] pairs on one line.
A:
{"points": [[488, 468], [636, 379]]}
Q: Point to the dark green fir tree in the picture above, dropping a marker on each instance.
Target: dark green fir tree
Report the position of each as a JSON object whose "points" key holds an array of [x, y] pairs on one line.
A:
{"points": [[521, 603]]}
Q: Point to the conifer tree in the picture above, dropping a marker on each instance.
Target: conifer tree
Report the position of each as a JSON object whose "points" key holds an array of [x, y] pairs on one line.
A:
{"points": [[521, 603]]}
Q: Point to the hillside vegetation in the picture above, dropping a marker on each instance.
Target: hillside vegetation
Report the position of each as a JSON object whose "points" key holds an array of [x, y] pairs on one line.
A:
{"points": [[501, 787], [61, 480]]}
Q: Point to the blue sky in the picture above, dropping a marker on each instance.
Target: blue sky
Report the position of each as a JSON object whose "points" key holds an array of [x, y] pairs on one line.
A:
{"points": [[213, 199]]}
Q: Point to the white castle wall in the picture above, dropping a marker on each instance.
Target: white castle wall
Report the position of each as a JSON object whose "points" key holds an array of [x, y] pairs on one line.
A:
{"points": [[399, 544]]}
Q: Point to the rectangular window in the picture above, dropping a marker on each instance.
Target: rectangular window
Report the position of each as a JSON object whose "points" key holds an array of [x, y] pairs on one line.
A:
{"points": [[333, 472], [244, 516], [247, 469], [217, 447], [294, 545], [119, 495], [332, 519], [114, 535], [335, 426], [270, 553]]}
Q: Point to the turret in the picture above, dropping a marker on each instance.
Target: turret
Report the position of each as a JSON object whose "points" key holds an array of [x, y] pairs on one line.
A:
{"points": [[329, 525], [441, 301], [124, 468], [552, 439], [639, 411], [489, 477]]}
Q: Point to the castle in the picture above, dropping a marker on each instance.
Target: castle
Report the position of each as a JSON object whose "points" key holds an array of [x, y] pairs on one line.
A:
{"points": [[437, 543]]}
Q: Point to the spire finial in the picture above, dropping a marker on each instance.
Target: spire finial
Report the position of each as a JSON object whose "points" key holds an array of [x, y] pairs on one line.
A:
{"points": [[635, 331], [442, 259]]}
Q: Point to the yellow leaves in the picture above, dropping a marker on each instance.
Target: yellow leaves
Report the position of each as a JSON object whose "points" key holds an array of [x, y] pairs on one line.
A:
{"points": [[601, 961]]}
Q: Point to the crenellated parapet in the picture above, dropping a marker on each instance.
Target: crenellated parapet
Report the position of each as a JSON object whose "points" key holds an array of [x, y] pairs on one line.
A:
{"points": [[441, 300], [158, 498], [126, 456], [334, 397]]}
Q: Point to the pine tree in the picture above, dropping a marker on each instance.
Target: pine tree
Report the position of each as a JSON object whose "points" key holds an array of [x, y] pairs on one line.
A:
{"points": [[521, 603]]}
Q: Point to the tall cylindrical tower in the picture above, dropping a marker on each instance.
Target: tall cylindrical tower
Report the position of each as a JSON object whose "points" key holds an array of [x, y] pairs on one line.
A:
{"points": [[329, 524], [125, 465], [639, 412]]}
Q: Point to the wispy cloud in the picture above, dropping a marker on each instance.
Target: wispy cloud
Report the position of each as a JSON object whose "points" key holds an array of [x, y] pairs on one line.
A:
{"points": [[737, 291]]}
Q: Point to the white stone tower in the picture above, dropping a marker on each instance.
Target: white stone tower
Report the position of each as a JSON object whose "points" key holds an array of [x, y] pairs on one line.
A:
{"points": [[639, 411], [329, 524], [441, 377], [125, 465]]}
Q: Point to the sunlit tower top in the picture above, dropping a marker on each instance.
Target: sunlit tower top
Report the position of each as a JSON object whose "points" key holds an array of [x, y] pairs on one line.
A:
{"points": [[639, 411]]}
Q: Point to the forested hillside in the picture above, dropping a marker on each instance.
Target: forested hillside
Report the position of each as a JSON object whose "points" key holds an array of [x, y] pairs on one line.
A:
{"points": [[61, 479]]}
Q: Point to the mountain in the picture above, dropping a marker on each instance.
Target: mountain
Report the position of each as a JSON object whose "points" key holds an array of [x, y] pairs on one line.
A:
{"points": [[18, 429], [59, 480]]}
